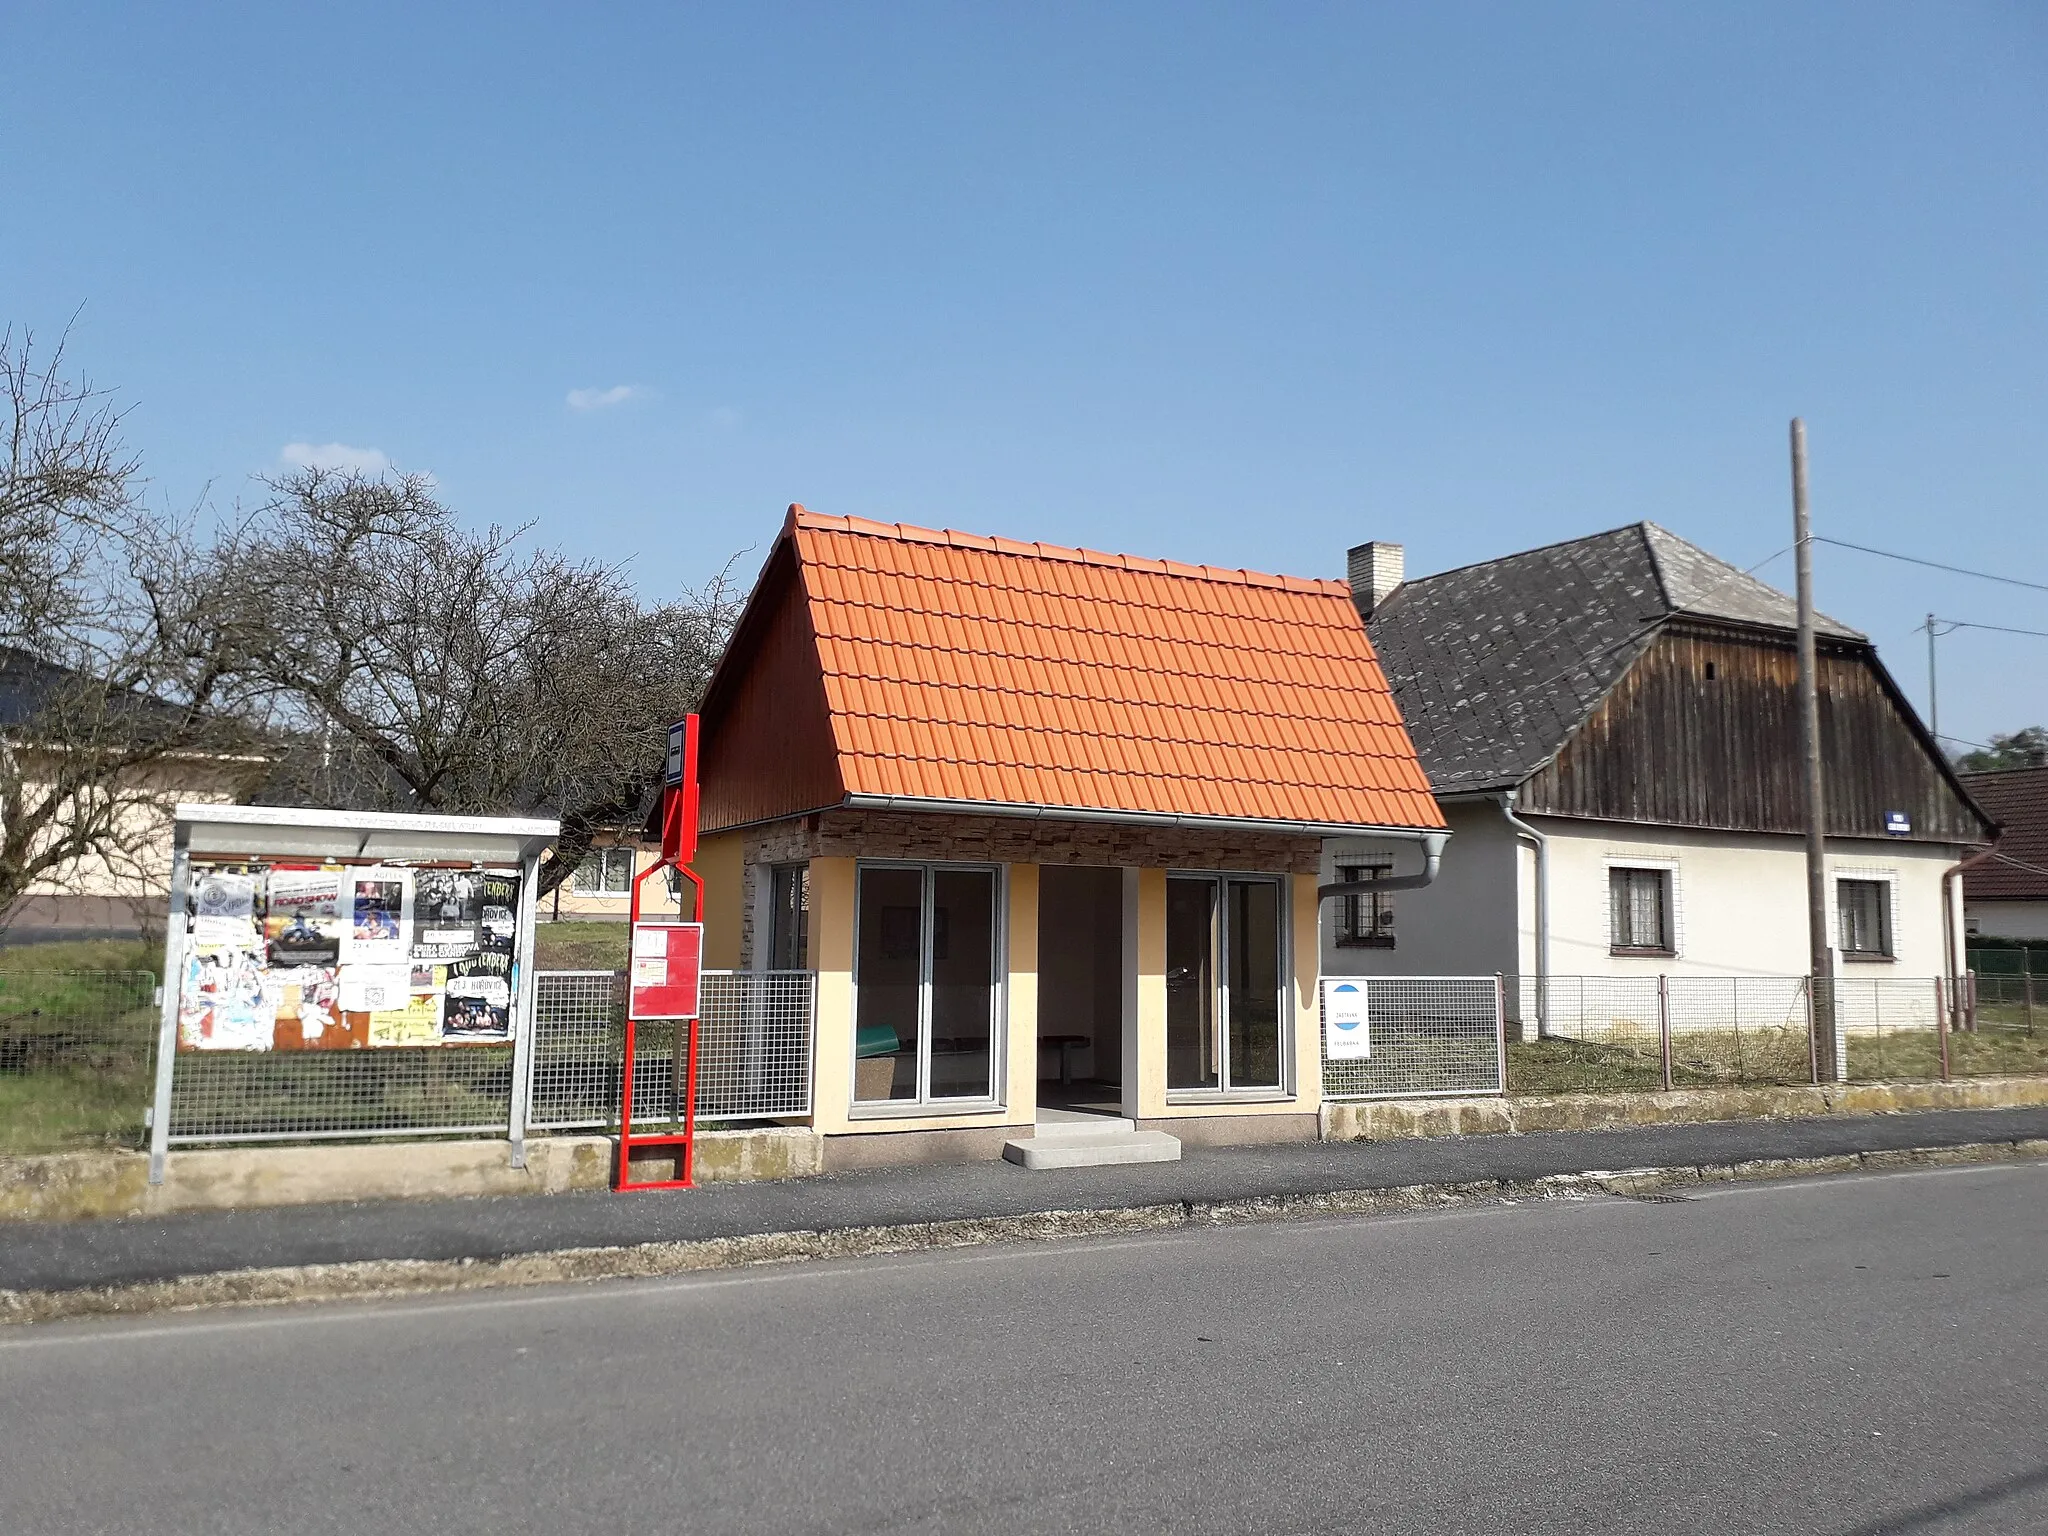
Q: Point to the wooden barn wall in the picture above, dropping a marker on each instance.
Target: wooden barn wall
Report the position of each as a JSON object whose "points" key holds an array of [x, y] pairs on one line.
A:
{"points": [[768, 747], [1670, 745]]}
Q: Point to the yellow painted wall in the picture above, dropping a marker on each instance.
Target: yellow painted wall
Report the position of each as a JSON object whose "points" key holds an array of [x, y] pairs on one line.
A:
{"points": [[832, 898], [718, 865], [1021, 996], [1145, 1003]]}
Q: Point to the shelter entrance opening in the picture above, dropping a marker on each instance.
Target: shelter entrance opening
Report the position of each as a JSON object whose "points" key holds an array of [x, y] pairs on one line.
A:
{"points": [[1080, 988]]}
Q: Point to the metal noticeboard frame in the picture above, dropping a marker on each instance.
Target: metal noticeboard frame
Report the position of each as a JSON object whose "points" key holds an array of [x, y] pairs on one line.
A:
{"points": [[206, 834], [678, 848]]}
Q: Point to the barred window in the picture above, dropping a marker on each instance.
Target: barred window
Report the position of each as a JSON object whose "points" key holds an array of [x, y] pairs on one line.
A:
{"points": [[1863, 911], [1365, 921], [1639, 901]]}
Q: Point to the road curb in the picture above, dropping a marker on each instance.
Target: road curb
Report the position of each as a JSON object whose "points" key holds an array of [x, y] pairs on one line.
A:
{"points": [[400, 1277]]}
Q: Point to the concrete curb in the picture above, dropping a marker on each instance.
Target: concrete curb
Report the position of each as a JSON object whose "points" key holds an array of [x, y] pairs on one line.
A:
{"points": [[412, 1277]]}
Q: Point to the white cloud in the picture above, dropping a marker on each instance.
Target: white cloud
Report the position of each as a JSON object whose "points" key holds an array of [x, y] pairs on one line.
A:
{"points": [[599, 399], [364, 461], [724, 419]]}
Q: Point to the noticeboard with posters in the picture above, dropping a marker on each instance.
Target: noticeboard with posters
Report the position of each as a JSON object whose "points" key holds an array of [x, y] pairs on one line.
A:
{"points": [[287, 956]]}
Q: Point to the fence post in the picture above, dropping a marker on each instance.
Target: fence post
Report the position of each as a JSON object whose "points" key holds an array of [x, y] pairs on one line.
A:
{"points": [[1941, 1025], [1812, 1048], [1664, 1026], [526, 991], [1500, 1032], [167, 1021]]}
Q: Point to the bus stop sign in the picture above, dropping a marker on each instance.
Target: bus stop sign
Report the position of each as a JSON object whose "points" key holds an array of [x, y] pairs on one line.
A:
{"points": [[668, 961]]}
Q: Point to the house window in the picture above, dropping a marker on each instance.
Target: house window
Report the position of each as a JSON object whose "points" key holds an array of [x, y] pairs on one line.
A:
{"points": [[604, 872], [1639, 901], [1365, 921], [789, 920], [1863, 910], [925, 984]]}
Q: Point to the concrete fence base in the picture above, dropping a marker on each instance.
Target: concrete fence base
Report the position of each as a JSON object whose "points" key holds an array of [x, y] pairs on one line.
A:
{"points": [[1406, 1119], [68, 1186]]}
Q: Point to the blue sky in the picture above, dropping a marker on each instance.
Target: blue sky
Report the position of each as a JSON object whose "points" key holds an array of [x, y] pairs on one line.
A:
{"points": [[1243, 285]]}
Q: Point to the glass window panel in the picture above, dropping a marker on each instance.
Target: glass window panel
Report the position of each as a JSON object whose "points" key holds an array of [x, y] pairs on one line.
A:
{"points": [[618, 871], [790, 919], [1191, 1044], [1253, 945], [963, 972], [1864, 912], [888, 983]]}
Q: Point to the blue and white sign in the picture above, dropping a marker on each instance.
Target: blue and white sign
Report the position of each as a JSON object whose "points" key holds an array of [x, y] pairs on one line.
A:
{"points": [[1347, 1035], [1897, 824]]}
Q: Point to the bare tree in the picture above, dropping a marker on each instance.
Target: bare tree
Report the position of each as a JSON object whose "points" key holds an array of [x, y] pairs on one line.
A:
{"points": [[116, 691], [422, 664]]}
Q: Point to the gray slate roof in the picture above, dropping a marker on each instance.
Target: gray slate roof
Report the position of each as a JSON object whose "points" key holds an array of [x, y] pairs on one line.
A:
{"points": [[1496, 664]]}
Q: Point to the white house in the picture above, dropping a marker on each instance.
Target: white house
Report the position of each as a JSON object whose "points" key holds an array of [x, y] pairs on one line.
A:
{"points": [[1609, 725]]}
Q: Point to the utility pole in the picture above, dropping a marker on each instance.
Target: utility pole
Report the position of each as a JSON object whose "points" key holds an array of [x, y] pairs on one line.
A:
{"points": [[1933, 702], [1821, 951]]}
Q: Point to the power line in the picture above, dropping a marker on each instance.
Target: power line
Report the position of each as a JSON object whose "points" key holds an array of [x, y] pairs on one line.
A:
{"points": [[2003, 629], [1865, 549]]}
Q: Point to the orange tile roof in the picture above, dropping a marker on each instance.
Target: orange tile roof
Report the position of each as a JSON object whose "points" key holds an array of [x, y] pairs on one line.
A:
{"points": [[959, 667]]}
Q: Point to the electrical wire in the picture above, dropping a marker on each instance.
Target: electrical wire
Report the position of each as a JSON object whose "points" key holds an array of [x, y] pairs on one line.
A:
{"points": [[1865, 549], [2003, 629]]}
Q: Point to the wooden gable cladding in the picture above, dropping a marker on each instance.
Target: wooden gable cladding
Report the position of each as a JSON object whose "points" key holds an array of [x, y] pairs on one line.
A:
{"points": [[1674, 745], [768, 749]]}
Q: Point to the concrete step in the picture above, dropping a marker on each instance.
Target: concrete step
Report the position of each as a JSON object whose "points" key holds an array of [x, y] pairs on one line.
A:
{"points": [[1065, 1124], [1062, 1149]]}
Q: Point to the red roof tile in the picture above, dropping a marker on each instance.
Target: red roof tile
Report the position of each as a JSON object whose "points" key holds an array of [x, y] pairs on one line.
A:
{"points": [[2017, 799], [1080, 680]]}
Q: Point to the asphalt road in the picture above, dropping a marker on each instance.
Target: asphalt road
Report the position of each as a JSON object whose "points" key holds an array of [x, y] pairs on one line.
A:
{"points": [[1838, 1355]]}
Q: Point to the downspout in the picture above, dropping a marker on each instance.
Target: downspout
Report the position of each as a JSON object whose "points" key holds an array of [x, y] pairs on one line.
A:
{"points": [[1542, 845], [1949, 918], [1432, 860]]}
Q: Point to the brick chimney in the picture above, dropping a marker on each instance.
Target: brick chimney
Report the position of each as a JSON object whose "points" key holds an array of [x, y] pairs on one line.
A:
{"points": [[1375, 569]]}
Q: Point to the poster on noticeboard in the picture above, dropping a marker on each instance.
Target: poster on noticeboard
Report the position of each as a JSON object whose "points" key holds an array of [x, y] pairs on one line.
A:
{"points": [[333, 957]]}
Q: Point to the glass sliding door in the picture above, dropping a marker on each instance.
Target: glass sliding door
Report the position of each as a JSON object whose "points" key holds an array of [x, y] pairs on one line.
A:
{"points": [[1251, 943], [888, 966], [925, 984], [963, 983], [1224, 983]]}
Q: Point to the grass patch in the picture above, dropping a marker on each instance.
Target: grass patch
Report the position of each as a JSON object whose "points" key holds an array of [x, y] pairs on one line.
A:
{"points": [[75, 1054], [581, 946], [1993, 1049], [83, 955], [1633, 1063]]}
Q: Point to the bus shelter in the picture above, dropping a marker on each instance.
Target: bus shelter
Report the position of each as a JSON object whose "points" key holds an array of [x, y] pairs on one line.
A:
{"points": [[346, 974]]}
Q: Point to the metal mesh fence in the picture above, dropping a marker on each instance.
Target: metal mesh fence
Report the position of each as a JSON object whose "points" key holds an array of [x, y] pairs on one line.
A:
{"points": [[578, 1033], [77, 1055], [754, 1044], [1602, 1033], [308, 1095], [1999, 1026], [1428, 1035], [753, 1050]]}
